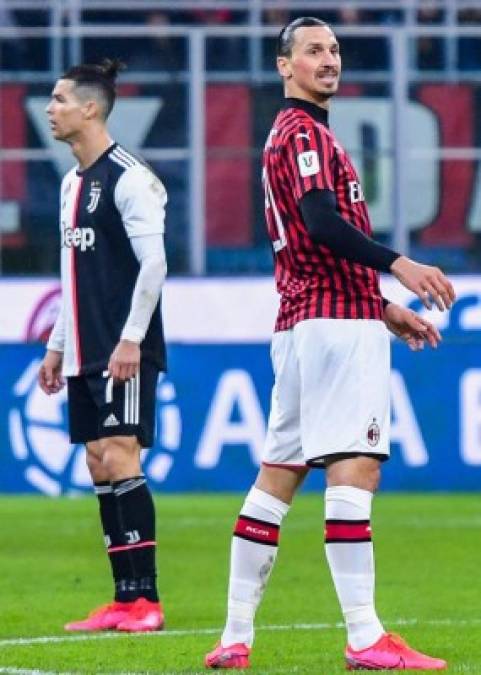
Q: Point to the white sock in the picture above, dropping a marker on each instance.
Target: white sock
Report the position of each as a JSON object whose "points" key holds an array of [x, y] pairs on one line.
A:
{"points": [[350, 555], [253, 552]]}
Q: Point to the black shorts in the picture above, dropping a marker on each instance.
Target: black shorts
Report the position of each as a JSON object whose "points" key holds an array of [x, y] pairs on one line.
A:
{"points": [[99, 408]]}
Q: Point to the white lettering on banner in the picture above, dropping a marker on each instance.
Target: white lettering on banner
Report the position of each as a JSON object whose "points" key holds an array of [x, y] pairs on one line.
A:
{"points": [[404, 426], [364, 126], [234, 387], [474, 220], [470, 422]]}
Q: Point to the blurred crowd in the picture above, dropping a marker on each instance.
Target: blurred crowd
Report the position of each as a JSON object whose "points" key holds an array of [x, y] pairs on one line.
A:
{"points": [[169, 53], [31, 243]]}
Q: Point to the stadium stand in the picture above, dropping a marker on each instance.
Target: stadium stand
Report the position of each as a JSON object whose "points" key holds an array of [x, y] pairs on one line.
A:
{"points": [[184, 54]]}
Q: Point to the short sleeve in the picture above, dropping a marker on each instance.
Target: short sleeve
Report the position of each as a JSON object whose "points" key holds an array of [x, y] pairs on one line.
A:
{"points": [[309, 153], [141, 198]]}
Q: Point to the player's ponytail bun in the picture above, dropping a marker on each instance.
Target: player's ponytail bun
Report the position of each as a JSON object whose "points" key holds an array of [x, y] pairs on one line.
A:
{"points": [[110, 68]]}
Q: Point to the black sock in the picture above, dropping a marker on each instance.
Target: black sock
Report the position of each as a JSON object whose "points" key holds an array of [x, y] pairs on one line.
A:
{"points": [[137, 515], [122, 571]]}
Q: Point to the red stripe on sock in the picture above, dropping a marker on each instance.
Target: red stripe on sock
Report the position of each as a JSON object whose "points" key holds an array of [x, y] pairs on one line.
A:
{"points": [[257, 530], [348, 531], [129, 547]]}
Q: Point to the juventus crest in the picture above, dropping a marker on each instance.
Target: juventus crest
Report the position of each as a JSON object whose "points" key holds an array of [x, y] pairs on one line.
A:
{"points": [[94, 195]]}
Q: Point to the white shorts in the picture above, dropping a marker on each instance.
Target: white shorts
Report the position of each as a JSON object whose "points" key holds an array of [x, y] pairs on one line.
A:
{"points": [[331, 392]]}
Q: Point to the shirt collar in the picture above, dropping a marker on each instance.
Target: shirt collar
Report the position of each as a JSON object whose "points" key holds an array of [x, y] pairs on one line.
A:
{"points": [[81, 172], [313, 110]]}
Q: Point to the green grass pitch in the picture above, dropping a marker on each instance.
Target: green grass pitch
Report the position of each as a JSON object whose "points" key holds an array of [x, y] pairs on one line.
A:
{"points": [[53, 569]]}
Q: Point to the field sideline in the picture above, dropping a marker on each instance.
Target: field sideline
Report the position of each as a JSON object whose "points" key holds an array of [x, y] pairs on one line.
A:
{"points": [[53, 569]]}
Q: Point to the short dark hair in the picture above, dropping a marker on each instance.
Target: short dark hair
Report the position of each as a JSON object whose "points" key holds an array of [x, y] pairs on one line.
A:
{"points": [[286, 36], [99, 77]]}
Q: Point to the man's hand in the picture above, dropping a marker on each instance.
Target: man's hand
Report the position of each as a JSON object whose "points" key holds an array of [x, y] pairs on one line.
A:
{"points": [[429, 283], [124, 362], [50, 372], [410, 327]]}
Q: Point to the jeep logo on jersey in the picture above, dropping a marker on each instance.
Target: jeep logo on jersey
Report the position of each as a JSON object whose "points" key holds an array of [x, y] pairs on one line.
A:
{"points": [[79, 237], [94, 195], [355, 192]]}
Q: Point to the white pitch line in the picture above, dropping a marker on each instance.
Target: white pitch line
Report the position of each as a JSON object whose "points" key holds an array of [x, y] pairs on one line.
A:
{"points": [[23, 671], [87, 637]]}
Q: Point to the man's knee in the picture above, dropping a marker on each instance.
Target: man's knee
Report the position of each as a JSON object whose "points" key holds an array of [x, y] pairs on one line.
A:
{"points": [[361, 472], [121, 457], [280, 482], [94, 462]]}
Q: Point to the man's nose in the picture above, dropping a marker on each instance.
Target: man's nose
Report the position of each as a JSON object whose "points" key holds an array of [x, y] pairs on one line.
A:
{"points": [[328, 58]]}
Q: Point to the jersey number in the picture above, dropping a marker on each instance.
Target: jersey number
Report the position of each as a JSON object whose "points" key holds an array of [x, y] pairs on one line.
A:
{"points": [[281, 242]]}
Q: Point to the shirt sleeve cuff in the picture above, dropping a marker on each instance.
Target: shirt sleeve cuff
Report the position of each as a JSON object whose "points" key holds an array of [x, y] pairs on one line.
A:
{"points": [[55, 345], [132, 334]]}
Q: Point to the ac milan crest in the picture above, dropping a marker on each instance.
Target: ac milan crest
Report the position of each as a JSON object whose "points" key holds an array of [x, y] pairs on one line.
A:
{"points": [[373, 433]]}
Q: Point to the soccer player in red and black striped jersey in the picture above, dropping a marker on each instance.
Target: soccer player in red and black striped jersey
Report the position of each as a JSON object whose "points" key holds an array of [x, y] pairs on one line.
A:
{"points": [[108, 340], [330, 354]]}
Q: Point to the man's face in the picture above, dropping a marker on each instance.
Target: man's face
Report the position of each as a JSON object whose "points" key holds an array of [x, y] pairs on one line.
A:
{"points": [[65, 111], [313, 70]]}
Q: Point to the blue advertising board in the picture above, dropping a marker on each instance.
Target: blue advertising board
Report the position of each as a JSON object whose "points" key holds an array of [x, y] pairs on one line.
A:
{"points": [[211, 418]]}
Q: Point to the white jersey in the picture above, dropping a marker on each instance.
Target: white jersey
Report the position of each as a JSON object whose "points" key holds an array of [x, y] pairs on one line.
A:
{"points": [[103, 210]]}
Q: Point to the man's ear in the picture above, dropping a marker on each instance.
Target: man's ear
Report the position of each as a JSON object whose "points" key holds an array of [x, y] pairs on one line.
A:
{"points": [[284, 67], [90, 109]]}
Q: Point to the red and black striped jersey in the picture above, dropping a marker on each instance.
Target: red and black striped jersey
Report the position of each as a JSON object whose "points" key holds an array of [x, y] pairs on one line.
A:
{"points": [[302, 154]]}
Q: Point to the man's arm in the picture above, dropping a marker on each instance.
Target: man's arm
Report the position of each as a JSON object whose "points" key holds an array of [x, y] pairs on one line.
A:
{"points": [[141, 199], [150, 252], [327, 228], [56, 340], [50, 371]]}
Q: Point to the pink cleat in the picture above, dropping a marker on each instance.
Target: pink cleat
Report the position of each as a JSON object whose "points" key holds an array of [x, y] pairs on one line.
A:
{"points": [[234, 656], [143, 616], [102, 618], [390, 652]]}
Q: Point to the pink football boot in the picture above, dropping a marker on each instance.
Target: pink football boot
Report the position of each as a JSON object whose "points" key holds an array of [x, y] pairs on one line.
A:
{"points": [[143, 616], [390, 652], [234, 656], [106, 617]]}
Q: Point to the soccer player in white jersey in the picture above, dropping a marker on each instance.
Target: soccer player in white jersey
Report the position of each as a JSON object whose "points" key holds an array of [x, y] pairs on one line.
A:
{"points": [[107, 342], [330, 353]]}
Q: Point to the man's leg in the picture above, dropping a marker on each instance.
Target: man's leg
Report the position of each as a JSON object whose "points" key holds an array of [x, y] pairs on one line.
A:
{"points": [[349, 550], [121, 461], [253, 553], [122, 571], [110, 615], [256, 533]]}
